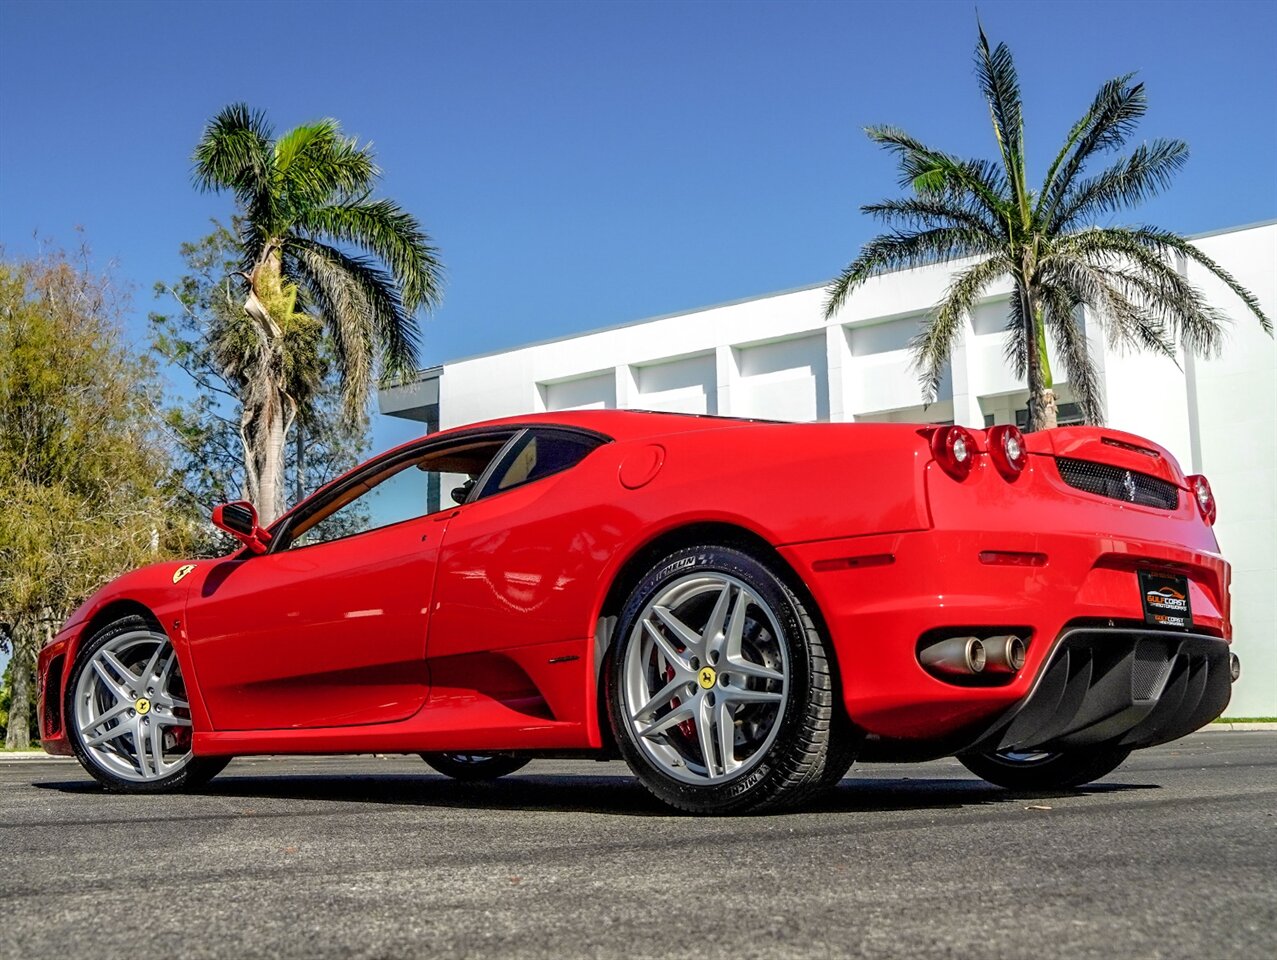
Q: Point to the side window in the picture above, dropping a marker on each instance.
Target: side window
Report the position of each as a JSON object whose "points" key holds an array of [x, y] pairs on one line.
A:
{"points": [[539, 453], [401, 489]]}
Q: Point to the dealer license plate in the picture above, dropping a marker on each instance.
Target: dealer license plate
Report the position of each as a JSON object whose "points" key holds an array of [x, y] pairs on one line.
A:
{"points": [[1165, 597]]}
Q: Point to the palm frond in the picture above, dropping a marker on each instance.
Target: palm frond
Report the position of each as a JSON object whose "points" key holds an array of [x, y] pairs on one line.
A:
{"points": [[1146, 277], [1125, 320], [1000, 84], [1176, 304], [1070, 340], [901, 250], [391, 234], [934, 342], [936, 211], [1015, 348], [928, 171], [393, 328], [331, 293], [324, 166], [1145, 173], [234, 153], [1115, 112], [298, 140], [1165, 242]]}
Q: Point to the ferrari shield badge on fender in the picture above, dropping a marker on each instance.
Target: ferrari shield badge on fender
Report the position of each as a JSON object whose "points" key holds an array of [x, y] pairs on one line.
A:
{"points": [[182, 571]]}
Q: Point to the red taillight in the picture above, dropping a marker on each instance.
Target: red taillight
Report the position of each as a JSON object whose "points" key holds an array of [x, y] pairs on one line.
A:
{"points": [[954, 449], [1007, 449], [1200, 489]]}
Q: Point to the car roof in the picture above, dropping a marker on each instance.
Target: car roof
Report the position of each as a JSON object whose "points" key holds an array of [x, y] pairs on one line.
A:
{"points": [[619, 424], [614, 424]]}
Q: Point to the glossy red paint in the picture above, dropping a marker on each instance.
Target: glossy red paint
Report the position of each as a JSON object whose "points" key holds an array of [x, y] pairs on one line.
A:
{"points": [[326, 635], [483, 626]]}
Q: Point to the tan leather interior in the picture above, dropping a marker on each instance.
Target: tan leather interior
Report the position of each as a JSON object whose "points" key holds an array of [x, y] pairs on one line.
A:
{"points": [[522, 467]]}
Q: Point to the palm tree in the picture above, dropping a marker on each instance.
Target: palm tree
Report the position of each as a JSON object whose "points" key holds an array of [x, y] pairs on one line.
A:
{"points": [[984, 215], [304, 199]]}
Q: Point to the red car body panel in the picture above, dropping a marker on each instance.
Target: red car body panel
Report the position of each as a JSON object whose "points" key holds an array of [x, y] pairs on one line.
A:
{"points": [[478, 627]]}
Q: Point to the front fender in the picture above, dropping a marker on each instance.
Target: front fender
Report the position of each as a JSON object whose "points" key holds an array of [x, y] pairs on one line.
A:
{"points": [[159, 593]]}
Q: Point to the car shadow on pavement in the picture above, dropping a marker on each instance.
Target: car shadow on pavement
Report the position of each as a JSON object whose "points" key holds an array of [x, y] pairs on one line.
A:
{"points": [[869, 794], [607, 795]]}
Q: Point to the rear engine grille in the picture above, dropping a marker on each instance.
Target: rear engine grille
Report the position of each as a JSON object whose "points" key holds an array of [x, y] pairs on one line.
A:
{"points": [[1106, 480]]}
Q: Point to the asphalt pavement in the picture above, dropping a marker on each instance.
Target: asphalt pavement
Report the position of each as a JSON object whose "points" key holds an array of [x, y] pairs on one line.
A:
{"points": [[1174, 855]]}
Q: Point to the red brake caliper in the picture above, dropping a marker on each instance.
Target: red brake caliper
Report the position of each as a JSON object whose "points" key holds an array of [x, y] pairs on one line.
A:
{"points": [[687, 727]]}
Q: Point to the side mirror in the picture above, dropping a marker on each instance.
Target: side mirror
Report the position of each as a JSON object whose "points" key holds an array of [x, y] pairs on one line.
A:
{"points": [[239, 519], [462, 493]]}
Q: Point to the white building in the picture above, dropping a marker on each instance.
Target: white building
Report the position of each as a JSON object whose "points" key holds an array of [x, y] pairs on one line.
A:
{"points": [[776, 356]]}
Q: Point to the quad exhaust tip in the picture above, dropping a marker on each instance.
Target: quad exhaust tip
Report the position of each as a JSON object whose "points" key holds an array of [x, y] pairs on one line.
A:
{"points": [[1004, 654], [956, 656], [971, 656]]}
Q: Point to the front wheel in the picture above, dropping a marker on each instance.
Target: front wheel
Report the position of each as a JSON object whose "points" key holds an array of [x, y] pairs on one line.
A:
{"points": [[127, 713], [474, 766], [1043, 770], [719, 686]]}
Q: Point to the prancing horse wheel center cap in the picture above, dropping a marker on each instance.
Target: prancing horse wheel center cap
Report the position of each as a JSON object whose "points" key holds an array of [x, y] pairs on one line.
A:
{"points": [[142, 706], [706, 677]]}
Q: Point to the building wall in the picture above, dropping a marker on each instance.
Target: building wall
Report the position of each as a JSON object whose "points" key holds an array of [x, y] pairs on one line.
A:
{"points": [[1235, 395], [777, 357]]}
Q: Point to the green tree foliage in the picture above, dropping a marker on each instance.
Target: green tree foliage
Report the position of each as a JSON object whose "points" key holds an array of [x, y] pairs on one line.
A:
{"points": [[985, 214], [85, 478], [304, 201], [204, 332]]}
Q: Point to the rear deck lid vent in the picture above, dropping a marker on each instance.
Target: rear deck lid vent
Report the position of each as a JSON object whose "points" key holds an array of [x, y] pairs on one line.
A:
{"points": [[1118, 483]]}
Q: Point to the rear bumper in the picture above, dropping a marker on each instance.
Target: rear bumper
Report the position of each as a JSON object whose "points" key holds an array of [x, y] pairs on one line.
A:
{"points": [[880, 594]]}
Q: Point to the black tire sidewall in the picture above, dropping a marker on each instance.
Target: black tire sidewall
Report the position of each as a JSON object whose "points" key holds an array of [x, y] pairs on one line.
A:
{"points": [[1059, 771], [496, 766], [763, 782], [198, 770]]}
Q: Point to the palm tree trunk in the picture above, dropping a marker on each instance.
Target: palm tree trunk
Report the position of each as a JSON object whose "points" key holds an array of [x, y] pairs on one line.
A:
{"points": [[264, 418], [299, 468], [268, 456], [18, 735], [1042, 402]]}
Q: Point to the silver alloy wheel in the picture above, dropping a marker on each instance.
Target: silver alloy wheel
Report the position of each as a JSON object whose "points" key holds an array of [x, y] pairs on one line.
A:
{"points": [[706, 679], [131, 708]]}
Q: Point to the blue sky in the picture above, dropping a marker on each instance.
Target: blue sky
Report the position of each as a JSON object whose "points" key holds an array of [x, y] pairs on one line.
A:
{"points": [[587, 164]]}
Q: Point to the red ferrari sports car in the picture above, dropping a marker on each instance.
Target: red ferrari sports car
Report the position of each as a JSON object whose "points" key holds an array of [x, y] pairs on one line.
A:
{"points": [[738, 608]]}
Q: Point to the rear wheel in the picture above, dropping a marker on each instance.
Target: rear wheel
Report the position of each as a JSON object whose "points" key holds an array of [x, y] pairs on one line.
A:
{"points": [[1044, 770], [127, 713], [719, 687], [474, 766]]}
